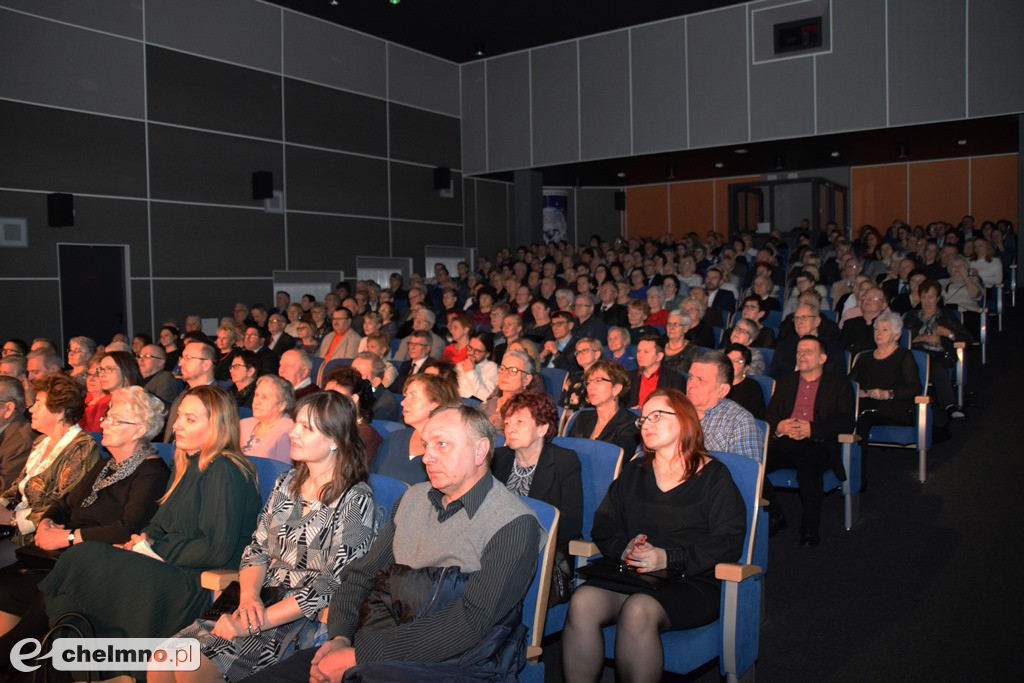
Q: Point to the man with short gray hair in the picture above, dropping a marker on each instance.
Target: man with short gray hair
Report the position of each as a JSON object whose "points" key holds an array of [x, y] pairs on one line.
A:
{"points": [[16, 435], [727, 426], [296, 367], [422, 321], [158, 381]]}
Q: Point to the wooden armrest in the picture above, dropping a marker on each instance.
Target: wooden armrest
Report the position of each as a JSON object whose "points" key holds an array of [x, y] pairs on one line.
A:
{"points": [[959, 345], [217, 579], [322, 616], [735, 572], [763, 503], [581, 548], [533, 652], [922, 400], [849, 438]]}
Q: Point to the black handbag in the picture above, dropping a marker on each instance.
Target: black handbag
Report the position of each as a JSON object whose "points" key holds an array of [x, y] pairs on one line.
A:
{"points": [[615, 575], [227, 601]]}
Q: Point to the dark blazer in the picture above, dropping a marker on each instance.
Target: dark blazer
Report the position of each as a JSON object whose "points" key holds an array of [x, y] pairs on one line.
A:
{"points": [[725, 301], [268, 361], [701, 334], [385, 406], [667, 379], [404, 371], [163, 385], [827, 329], [565, 359], [594, 327], [833, 412], [284, 343], [621, 429], [784, 360], [15, 445], [556, 481], [858, 335], [615, 316]]}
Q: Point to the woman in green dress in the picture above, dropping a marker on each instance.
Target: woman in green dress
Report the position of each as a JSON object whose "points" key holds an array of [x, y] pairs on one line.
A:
{"points": [[205, 520]]}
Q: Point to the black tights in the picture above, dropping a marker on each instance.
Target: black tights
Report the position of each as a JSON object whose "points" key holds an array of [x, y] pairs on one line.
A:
{"points": [[639, 621]]}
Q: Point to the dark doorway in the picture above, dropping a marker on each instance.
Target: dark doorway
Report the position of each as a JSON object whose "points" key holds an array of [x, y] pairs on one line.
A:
{"points": [[94, 299]]}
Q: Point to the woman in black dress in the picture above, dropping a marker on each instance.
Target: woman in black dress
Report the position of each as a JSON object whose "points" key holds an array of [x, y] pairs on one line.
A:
{"points": [[676, 508], [744, 391], [888, 378], [606, 381]]}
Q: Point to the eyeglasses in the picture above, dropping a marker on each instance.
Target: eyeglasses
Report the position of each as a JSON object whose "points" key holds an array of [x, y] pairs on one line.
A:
{"points": [[654, 417], [237, 366], [116, 422], [143, 356], [595, 380], [94, 374], [584, 349], [738, 361], [511, 371], [474, 349], [419, 344], [105, 371], [804, 317], [184, 357], [559, 322]]}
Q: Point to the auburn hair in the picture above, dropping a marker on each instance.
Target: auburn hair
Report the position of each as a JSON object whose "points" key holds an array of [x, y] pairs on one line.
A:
{"points": [[690, 447]]}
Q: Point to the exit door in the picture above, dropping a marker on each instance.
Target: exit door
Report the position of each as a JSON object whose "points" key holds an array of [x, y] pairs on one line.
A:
{"points": [[95, 298]]}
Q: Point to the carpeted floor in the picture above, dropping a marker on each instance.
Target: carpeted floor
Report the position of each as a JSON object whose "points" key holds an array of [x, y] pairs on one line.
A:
{"points": [[924, 588]]}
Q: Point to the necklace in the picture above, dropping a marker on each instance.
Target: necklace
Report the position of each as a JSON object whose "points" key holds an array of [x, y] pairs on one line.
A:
{"points": [[523, 471]]}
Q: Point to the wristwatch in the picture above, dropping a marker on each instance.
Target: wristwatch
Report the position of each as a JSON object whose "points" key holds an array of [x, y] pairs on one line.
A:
{"points": [[71, 538]]}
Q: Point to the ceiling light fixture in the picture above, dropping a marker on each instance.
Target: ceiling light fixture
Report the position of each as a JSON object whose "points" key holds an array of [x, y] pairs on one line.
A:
{"points": [[621, 174], [719, 164], [478, 50], [741, 150], [834, 155], [902, 152], [334, 3], [962, 141]]}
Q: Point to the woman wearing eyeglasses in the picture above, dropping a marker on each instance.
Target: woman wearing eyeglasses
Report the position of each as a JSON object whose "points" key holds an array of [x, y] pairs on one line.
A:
{"points": [[744, 390], [679, 351], [606, 381], [115, 499], [515, 374], [80, 350], [115, 370], [243, 368], [674, 508]]}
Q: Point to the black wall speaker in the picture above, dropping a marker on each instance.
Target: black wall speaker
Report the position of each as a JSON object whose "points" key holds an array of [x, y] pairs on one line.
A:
{"points": [[262, 185], [60, 210], [620, 201], [442, 178]]}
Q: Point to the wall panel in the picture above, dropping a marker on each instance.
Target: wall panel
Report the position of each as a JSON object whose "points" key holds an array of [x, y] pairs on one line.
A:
{"points": [[994, 188], [647, 211], [335, 182], [324, 117], [658, 61], [508, 112], [474, 118], [422, 80], [938, 191], [995, 53], [555, 111], [691, 207], [423, 136], [413, 195], [717, 77], [604, 96], [121, 17], [878, 195], [317, 51], [850, 82], [333, 242], [782, 99]]}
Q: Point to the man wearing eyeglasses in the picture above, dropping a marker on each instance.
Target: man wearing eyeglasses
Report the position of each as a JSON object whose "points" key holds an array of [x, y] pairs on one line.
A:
{"points": [[255, 340], [806, 322], [343, 341], [157, 381], [561, 351], [727, 426], [859, 333], [422, 319], [197, 363], [418, 345], [588, 324]]}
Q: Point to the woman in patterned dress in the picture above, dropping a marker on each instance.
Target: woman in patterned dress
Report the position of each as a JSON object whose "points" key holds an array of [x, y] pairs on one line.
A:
{"points": [[318, 518]]}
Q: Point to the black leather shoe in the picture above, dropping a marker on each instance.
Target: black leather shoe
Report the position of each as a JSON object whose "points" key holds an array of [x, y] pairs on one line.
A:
{"points": [[809, 538], [776, 524]]}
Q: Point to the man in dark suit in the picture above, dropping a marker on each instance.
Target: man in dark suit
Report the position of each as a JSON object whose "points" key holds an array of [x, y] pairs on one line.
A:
{"points": [[255, 340], [16, 435], [719, 299], [827, 328], [650, 373], [157, 381], [561, 351], [901, 284], [611, 313], [419, 344], [279, 341], [806, 322], [808, 411], [587, 324], [296, 367]]}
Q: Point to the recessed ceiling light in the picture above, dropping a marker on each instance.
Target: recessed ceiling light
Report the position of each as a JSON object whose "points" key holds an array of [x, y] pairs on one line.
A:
{"points": [[719, 164], [834, 154], [741, 150], [621, 174], [962, 141]]}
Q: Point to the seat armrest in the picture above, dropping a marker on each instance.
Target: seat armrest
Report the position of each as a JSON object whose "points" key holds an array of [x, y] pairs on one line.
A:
{"points": [[217, 579], [763, 503], [922, 400], [322, 615], [849, 438], [581, 548], [735, 572], [533, 653], [960, 345]]}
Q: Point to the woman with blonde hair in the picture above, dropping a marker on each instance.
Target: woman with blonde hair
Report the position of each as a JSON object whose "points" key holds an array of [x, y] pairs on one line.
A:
{"points": [[149, 588]]}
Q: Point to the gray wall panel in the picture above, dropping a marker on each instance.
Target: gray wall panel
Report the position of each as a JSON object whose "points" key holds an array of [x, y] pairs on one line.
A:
{"points": [[325, 53], [411, 238], [63, 151], [508, 111], [604, 96], [493, 217], [188, 165], [469, 211], [324, 117], [198, 92], [474, 119], [142, 314], [22, 312], [782, 99], [63, 66], [425, 137], [996, 52], [926, 60], [422, 80], [226, 236], [596, 214], [413, 195], [658, 65], [333, 242], [214, 29], [555, 111], [342, 183], [851, 81], [123, 17], [716, 54], [206, 298]]}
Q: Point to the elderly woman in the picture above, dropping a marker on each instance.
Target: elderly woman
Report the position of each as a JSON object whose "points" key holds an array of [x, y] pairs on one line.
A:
{"points": [[294, 315], [204, 521], [671, 288], [755, 308], [318, 318], [637, 312], [530, 465], [679, 352], [305, 340], [170, 340], [80, 350], [675, 509], [401, 454], [700, 332], [516, 373], [656, 302], [319, 517], [744, 390], [243, 368], [113, 500], [265, 434], [888, 377], [226, 341], [763, 288], [115, 370], [607, 382], [688, 274], [58, 460], [934, 330], [539, 328], [96, 400], [745, 332], [348, 382]]}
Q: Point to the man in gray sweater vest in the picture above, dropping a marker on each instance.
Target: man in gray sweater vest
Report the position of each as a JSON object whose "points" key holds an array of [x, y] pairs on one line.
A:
{"points": [[464, 523]]}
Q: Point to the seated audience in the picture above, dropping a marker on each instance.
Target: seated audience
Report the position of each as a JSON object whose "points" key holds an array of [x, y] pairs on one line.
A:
{"points": [[477, 374], [637, 312], [227, 342], [296, 368], [610, 420], [170, 340], [400, 456], [727, 426], [349, 382], [934, 330], [620, 349], [244, 368], [266, 433], [744, 391], [117, 370], [961, 289], [700, 332], [679, 351], [342, 341], [80, 350], [16, 435], [651, 374], [155, 379], [887, 376], [516, 373], [372, 368]]}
